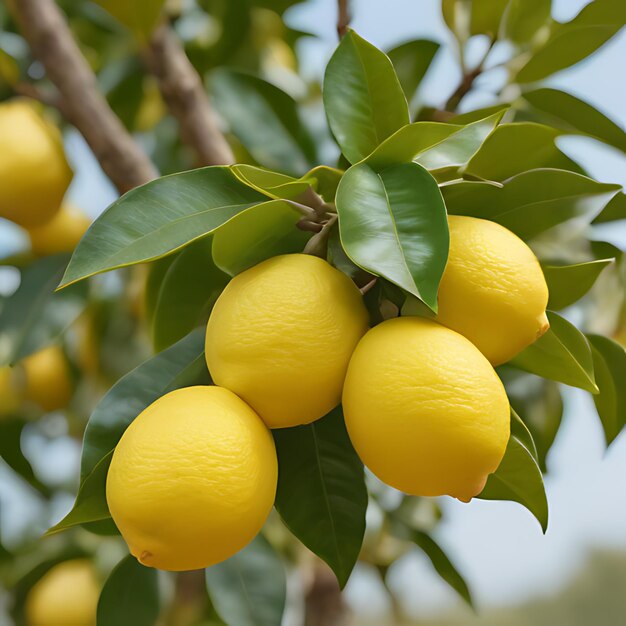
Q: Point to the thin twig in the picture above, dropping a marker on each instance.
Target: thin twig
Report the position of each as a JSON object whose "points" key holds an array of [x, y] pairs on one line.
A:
{"points": [[79, 99], [368, 286], [467, 81], [29, 90], [343, 17], [186, 98]]}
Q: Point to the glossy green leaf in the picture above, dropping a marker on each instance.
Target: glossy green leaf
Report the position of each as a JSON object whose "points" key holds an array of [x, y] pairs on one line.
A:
{"points": [[325, 181], [521, 432], [518, 478], [181, 365], [531, 202], [140, 17], [130, 596], [158, 218], [614, 210], [519, 147], [273, 184], [562, 354], [34, 316], [411, 61], [261, 232], [187, 292], [433, 144], [321, 493], [11, 452], [574, 41], [265, 119], [479, 114], [568, 283], [442, 564], [610, 366], [393, 224], [363, 97], [572, 114], [523, 18], [91, 504], [250, 588]]}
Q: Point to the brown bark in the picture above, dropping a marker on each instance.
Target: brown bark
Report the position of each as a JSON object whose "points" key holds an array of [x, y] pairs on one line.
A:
{"points": [[343, 17], [324, 604], [79, 100], [186, 98]]}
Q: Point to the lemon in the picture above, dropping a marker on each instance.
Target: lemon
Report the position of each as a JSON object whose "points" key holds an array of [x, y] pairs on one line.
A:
{"points": [[34, 174], [493, 290], [9, 396], [67, 595], [48, 378], [193, 479], [60, 234], [425, 410], [281, 335]]}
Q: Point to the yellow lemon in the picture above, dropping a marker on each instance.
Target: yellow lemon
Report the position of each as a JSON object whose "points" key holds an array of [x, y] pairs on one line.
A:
{"points": [[34, 174], [425, 410], [193, 479], [60, 234], [48, 378], [493, 290], [67, 595], [9, 396], [281, 335]]}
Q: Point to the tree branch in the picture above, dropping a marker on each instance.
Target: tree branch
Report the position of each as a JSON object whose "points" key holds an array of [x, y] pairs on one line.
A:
{"points": [[343, 17], [80, 101], [187, 100]]}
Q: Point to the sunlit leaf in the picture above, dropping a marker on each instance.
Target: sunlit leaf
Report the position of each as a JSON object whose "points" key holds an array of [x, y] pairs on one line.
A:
{"points": [[523, 18], [363, 97], [158, 218], [393, 224], [562, 354]]}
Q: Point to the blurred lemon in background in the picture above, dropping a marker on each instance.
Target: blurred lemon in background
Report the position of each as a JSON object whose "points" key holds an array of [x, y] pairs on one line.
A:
{"points": [[60, 234], [47, 378]]}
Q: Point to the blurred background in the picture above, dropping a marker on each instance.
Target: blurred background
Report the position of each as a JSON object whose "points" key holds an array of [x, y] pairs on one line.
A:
{"points": [[576, 572]]}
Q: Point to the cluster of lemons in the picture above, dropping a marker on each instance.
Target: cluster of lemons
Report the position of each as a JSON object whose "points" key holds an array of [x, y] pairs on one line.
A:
{"points": [[194, 476], [34, 177]]}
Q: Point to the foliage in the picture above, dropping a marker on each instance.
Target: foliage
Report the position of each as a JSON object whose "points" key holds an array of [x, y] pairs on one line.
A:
{"points": [[401, 170]]}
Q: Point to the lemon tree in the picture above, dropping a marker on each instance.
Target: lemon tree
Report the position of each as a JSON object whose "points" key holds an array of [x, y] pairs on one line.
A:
{"points": [[363, 313]]}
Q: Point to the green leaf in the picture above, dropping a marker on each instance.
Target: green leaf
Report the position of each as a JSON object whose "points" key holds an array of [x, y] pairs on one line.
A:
{"points": [[411, 61], [91, 504], [442, 564], [260, 232], [574, 41], [181, 365], [518, 478], [521, 431], [321, 493], [34, 316], [325, 181], [568, 283], [531, 202], [524, 18], [609, 360], [250, 588], [363, 97], [130, 596], [433, 144], [572, 114], [614, 210], [486, 16], [140, 17], [186, 294], [11, 453], [539, 401], [158, 218], [265, 119], [562, 354], [519, 147], [273, 184], [479, 114], [393, 224]]}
